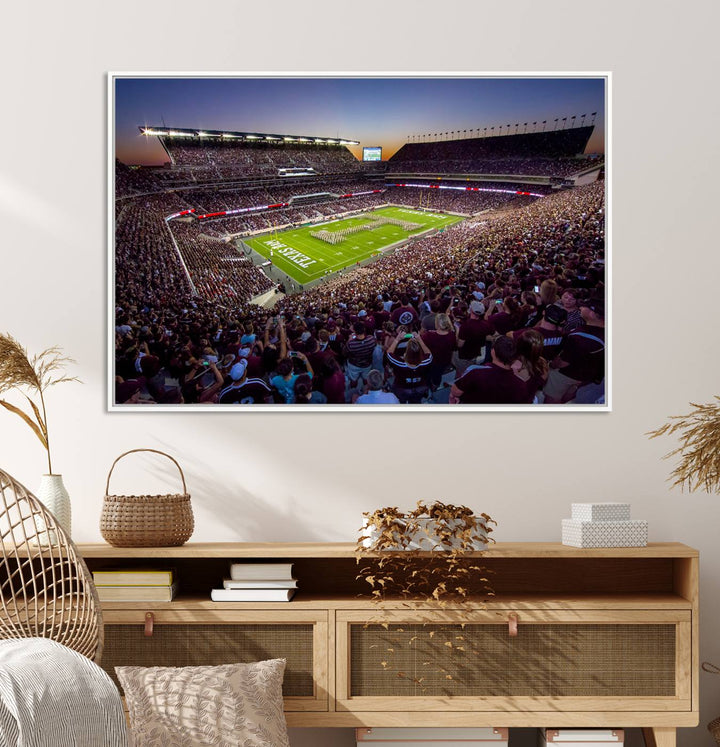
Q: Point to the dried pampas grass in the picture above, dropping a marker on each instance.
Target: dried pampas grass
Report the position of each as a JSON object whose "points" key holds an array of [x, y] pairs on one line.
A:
{"points": [[37, 374], [699, 450]]}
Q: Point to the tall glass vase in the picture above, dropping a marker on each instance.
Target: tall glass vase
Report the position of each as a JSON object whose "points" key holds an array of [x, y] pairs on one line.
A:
{"points": [[53, 495]]}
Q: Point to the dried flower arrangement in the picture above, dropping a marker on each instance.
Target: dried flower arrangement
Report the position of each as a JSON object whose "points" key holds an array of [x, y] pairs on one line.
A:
{"points": [[448, 576], [37, 374], [699, 450], [396, 565]]}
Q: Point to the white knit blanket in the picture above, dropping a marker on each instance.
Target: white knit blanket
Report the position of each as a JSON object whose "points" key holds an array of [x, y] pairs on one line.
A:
{"points": [[52, 696]]}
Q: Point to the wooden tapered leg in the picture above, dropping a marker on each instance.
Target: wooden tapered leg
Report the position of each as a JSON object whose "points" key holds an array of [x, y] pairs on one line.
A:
{"points": [[660, 736]]}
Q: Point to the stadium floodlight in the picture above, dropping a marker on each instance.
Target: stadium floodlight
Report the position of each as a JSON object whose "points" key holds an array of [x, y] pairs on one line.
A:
{"points": [[253, 137], [204, 134], [289, 139], [304, 140], [175, 133], [150, 131]]}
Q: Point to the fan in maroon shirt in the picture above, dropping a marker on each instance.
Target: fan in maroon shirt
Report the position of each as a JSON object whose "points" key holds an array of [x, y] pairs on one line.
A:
{"points": [[405, 314], [550, 327], [411, 370], [494, 383], [442, 343], [473, 332]]}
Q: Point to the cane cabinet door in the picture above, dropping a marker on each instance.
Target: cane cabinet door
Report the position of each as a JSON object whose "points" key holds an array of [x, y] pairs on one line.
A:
{"points": [[549, 660]]}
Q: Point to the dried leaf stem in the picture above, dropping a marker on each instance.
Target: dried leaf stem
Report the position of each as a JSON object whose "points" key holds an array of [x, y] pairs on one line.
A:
{"points": [[699, 435], [18, 371]]}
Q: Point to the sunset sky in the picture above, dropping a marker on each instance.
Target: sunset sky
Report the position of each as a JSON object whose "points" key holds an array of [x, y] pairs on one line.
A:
{"points": [[376, 111]]}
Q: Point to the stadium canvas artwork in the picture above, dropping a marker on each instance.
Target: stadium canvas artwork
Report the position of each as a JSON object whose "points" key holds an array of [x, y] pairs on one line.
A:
{"points": [[330, 242]]}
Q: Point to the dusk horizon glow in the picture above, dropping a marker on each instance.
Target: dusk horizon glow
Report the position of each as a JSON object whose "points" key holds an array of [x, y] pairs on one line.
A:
{"points": [[376, 111]]}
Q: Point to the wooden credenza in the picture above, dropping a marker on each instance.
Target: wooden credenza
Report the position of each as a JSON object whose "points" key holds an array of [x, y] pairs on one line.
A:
{"points": [[605, 637]]}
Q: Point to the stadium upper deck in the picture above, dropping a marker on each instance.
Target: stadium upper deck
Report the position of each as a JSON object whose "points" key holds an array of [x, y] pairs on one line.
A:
{"points": [[229, 154], [553, 153], [201, 159]]}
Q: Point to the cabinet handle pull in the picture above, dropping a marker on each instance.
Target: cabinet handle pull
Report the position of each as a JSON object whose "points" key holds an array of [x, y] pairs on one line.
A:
{"points": [[512, 624], [149, 623]]}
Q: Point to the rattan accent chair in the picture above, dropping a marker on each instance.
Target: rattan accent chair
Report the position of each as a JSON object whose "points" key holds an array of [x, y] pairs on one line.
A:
{"points": [[46, 590]]}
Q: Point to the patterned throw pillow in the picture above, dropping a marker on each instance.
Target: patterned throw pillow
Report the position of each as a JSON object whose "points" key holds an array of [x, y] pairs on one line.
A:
{"points": [[225, 706]]}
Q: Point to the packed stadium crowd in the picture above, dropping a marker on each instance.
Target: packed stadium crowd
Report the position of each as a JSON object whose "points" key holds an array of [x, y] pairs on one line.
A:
{"points": [[549, 153], [559, 167], [229, 159], [503, 310]]}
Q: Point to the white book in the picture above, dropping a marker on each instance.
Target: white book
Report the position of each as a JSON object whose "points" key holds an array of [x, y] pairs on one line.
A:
{"points": [[260, 571], [228, 583], [252, 595]]}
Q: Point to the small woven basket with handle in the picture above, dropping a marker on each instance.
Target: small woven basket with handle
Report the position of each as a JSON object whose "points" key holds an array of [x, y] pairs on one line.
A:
{"points": [[714, 725], [146, 520]]}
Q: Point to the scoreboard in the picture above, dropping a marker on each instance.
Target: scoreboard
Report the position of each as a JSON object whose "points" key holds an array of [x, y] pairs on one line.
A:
{"points": [[373, 153]]}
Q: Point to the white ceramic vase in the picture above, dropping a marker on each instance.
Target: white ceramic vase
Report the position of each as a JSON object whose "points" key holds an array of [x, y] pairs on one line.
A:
{"points": [[55, 498]]}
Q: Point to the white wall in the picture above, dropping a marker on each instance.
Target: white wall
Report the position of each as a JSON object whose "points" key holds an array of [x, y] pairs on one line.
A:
{"points": [[284, 476]]}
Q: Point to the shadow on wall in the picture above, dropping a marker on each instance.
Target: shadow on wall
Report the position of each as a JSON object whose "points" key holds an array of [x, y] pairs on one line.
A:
{"points": [[237, 514]]}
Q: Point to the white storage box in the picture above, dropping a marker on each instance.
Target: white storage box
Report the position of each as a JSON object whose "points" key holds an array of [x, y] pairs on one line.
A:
{"points": [[432, 737], [633, 533], [580, 737], [601, 511]]}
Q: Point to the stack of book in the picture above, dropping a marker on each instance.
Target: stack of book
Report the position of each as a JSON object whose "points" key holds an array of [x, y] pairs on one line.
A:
{"points": [[257, 582], [136, 584]]}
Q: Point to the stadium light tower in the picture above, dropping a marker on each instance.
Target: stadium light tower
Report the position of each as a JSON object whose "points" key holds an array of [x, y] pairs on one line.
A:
{"points": [[556, 121], [582, 120], [593, 118], [544, 123], [572, 121]]}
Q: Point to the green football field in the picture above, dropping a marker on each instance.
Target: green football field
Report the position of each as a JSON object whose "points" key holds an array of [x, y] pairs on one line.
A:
{"points": [[305, 258]]}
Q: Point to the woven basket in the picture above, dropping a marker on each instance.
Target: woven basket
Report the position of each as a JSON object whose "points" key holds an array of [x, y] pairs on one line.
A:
{"points": [[714, 725], [714, 729], [146, 520]]}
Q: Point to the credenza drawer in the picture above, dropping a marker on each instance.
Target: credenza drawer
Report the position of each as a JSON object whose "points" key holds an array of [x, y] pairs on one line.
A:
{"points": [[579, 660], [239, 637]]}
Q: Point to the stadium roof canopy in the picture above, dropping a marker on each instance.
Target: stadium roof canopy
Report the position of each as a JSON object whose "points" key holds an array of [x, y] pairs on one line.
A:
{"points": [[228, 135]]}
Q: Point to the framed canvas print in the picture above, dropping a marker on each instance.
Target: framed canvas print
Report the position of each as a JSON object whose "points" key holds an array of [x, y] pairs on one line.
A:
{"points": [[335, 241]]}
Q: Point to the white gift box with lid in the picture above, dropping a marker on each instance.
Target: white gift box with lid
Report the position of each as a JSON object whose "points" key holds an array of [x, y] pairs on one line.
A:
{"points": [[601, 511], [632, 533]]}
